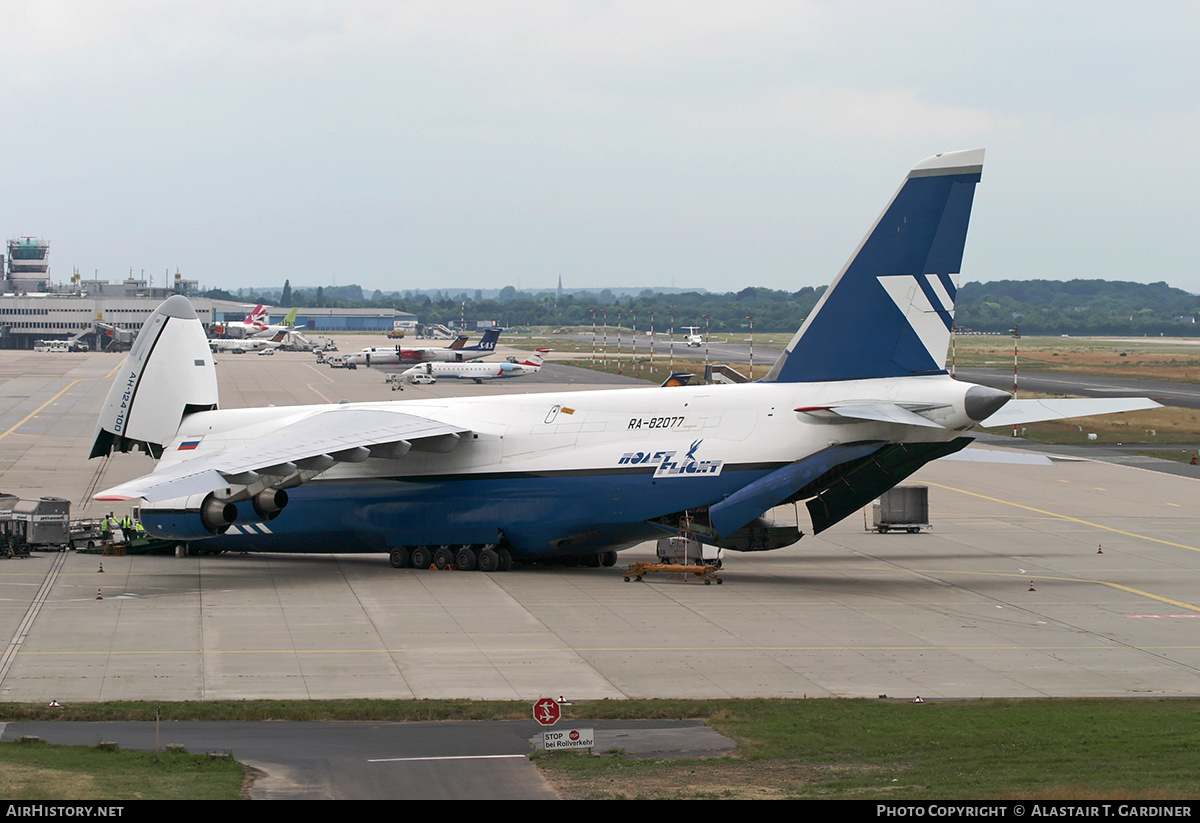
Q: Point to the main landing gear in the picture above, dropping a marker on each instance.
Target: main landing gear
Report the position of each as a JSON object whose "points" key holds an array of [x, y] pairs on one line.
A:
{"points": [[486, 558]]}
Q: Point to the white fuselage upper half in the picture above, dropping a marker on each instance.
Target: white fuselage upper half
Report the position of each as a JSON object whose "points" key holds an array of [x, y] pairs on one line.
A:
{"points": [[748, 423]]}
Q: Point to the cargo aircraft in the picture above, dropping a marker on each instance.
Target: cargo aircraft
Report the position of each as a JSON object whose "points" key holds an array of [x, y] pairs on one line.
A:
{"points": [[858, 401]]}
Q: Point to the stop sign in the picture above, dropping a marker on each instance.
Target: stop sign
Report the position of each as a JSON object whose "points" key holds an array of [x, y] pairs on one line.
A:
{"points": [[546, 711]]}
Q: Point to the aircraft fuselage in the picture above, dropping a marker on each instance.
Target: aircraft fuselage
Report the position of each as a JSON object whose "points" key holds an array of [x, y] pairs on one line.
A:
{"points": [[559, 472]]}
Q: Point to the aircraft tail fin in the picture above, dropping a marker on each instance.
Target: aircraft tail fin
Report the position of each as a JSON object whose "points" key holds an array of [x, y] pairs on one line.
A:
{"points": [[290, 320], [890, 310], [458, 342], [168, 374], [679, 378], [255, 316], [536, 359], [487, 342]]}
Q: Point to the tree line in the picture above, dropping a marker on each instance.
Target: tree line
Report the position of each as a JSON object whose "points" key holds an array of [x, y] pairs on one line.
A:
{"points": [[1076, 307]]}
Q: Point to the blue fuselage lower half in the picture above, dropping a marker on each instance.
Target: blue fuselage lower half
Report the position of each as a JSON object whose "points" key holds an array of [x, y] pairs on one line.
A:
{"points": [[535, 514]]}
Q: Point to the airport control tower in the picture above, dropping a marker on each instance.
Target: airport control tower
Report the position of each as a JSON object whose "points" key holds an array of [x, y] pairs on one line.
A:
{"points": [[28, 265]]}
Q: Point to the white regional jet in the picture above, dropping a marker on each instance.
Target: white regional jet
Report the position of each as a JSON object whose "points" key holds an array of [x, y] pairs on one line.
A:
{"points": [[246, 344], [857, 402], [392, 358], [478, 370]]}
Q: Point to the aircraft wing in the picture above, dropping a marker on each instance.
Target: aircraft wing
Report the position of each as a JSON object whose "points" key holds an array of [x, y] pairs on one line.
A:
{"points": [[1015, 412], [303, 445]]}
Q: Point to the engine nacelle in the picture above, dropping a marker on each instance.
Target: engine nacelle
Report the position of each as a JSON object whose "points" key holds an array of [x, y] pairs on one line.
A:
{"points": [[188, 518], [268, 503]]}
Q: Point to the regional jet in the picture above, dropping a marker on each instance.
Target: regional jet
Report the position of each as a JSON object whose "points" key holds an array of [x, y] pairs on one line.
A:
{"points": [[477, 371], [392, 358]]}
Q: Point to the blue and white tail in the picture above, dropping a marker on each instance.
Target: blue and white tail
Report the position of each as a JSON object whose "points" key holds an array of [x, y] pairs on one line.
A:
{"points": [[890, 311], [487, 342]]}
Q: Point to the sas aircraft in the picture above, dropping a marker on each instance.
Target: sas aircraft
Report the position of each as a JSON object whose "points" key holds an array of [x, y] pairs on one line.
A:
{"points": [[858, 401], [477, 371], [392, 358]]}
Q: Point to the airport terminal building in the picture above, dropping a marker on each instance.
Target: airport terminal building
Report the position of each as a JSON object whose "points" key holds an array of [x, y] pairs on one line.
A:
{"points": [[107, 316]]}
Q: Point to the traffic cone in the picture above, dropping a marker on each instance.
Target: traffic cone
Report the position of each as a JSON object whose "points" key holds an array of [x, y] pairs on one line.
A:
{"points": [[918, 699], [1031, 588], [101, 569], [1099, 550], [99, 596]]}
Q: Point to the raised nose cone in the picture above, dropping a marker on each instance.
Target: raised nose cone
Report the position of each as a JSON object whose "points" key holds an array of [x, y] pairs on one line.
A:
{"points": [[982, 402]]}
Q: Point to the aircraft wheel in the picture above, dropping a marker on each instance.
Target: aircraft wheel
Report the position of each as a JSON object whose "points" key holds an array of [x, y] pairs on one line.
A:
{"points": [[420, 557], [489, 561], [443, 558], [608, 559], [506, 559], [399, 558], [478, 382], [465, 559]]}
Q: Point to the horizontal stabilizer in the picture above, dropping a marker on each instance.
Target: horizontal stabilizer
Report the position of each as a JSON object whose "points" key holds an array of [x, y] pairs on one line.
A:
{"points": [[1016, 412], [993, 456], [878, 412]]}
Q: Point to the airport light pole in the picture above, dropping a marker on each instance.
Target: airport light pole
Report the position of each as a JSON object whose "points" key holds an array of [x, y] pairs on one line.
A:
{"points": [[620, 369], [605, 347], [1016, 337], [706, 335], [672, 339], [633, 349], [751, 318], [953, 349]]}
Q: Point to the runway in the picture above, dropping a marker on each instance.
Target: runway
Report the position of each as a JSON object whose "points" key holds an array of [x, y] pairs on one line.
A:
{"points": [[1077, 579]]}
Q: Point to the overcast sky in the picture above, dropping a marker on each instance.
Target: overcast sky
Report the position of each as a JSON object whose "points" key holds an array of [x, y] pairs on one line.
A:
{"points": [[400, 144]]}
